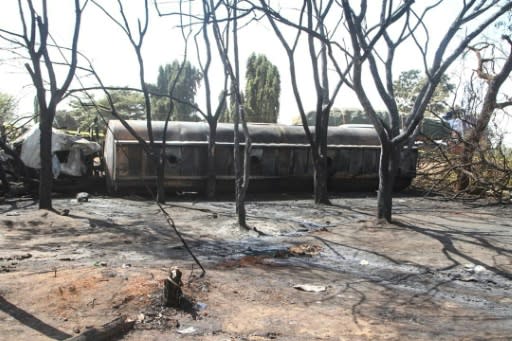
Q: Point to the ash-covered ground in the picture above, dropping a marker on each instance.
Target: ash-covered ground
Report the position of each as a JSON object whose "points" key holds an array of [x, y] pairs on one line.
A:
{"points": [[442, 271]]}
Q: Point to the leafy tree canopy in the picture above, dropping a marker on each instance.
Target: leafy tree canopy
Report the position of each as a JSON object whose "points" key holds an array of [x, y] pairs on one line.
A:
{"points": [[183, 80], [227, 109], [408, 86], [85, 113], [7, 107], [340, 116], [262, 90]]}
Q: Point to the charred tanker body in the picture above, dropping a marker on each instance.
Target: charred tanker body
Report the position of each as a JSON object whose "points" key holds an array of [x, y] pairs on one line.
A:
{"points": [[280, 157]]}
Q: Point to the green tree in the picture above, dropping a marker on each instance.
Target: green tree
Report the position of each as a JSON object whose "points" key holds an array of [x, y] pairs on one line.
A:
{"points": [[408, 86], [341, 116], [182, 79], [228, 109], [129, 104], [226, 115], [262, 90], [7, 107], [86, 111], [65, 120]]}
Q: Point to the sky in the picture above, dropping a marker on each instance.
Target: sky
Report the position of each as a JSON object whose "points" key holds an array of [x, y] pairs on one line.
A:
{"points": [[108, 48]]}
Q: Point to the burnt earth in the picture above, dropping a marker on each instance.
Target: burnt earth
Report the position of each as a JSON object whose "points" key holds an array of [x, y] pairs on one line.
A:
{"points": [[442, 271]]}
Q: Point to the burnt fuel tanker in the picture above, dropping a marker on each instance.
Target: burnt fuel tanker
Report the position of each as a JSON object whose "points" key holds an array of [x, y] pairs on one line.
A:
{"points": [[280, 157]]}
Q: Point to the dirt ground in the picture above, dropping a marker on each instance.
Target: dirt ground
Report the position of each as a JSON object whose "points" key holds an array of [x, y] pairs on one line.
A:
{"points": [[442, 272]]}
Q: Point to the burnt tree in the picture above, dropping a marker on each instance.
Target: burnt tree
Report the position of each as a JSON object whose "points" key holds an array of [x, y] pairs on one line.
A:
{"points": [[42, 66], [472, 17], [494, 82], [228, 14], [311, 22]]}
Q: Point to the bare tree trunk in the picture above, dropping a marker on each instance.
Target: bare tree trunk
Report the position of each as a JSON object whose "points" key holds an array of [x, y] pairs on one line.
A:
{"points": [[3, 178], [321, 175], [245, 172], [211, 180], [241, 169], [161, 159], [160, 176], [321, 61], [46, 173], [34, 39], [463, 179], [320, 181], [233, 70], [239, 198], [471, 145], [388, 166]]}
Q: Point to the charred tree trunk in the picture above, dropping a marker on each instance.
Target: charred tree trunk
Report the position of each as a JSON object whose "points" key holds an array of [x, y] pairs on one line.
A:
{"points": [[211, 181], [46, 173], [245, 172], [242, 166], [160, 159], [240, 204], [3, 178], [35, 40], [463, 172], [242, 175], [320, 181], [239, 193], [160, 177], [321, 175], [389, 158]]}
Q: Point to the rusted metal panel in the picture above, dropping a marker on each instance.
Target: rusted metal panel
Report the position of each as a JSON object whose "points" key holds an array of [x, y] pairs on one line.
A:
{"points": [[280, 156], [260, 133]]}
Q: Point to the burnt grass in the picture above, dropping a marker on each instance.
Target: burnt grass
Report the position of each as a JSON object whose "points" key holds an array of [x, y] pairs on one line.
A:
{"points": [[442, 270]]}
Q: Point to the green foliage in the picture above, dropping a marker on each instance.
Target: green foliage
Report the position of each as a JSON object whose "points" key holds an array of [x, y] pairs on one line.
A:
{"points": [[262, 90], [7, 107], [408, 86], [129, 104], [85, 114], [341, 116], [65, 120], [227, 112], [185, 79]]}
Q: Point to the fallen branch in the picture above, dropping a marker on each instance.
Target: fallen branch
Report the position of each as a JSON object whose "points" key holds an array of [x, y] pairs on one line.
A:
{"points": [[108, 331], [170, 221]]}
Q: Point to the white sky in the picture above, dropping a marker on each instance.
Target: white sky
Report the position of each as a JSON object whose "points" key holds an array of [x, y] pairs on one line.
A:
{"points": [[114, 59]]}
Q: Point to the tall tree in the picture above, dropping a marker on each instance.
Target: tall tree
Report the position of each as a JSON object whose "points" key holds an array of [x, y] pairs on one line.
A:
{"points": [[7, 107], [184, 79], [42, 67], [493, 73], [312, 20], [207, 111], [225, 19], [262, 90], [470, 17], [136, 38], [407, 88], [341, 116], [319, 23], [89, 111]]}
